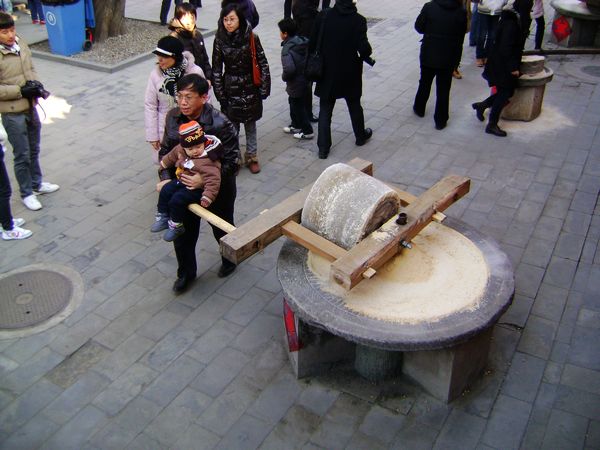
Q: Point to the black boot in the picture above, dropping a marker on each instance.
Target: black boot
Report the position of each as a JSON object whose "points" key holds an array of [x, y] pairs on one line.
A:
{"points": [[479, 110], [494, 129]]}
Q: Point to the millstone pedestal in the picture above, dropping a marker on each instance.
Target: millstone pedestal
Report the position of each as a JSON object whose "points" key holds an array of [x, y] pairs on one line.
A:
{"points": [[582, 23], [526, 103]]}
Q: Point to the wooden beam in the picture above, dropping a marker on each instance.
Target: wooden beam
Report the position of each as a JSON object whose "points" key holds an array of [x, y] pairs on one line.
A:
{"points": [[211, 217], [407, 198], [381, 245], [312, 241], [260, 231]]}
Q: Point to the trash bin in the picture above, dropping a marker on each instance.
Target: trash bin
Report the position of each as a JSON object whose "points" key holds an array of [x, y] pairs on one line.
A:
{"points": [[65, 22]]}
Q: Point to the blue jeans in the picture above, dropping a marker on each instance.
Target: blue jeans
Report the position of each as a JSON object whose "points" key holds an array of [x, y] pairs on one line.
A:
{"points": [[473, 34], [24, 131], [6, 6], [35, 6], [485, 35]]}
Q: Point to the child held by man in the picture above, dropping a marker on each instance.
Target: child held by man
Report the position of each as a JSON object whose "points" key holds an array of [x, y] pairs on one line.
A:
{"points": [[293, 55], [196, 153]]}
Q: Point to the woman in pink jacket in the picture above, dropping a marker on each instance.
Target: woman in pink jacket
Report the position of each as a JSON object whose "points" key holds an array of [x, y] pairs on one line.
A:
{"points": [[173, 63]]}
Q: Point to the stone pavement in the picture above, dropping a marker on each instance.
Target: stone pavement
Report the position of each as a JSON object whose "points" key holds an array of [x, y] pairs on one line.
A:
{"points": [[143, 369]]}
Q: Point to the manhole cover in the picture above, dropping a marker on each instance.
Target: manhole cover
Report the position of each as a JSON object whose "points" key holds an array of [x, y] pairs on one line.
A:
{"points": [[31, 297], [591, 70]]}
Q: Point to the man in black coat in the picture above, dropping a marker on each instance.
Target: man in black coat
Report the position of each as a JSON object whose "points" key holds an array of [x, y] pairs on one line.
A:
{"points": [[443, 24], [192, 97], [304, 13], [344, 47], [502, 67]]}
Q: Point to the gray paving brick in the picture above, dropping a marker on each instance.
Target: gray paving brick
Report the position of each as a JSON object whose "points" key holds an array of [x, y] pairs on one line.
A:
{"points": [[175, 419], [220, 372], [556, 206], [243, 279], [518, 234], [196, 437], [581, 378], [538, 252], [277, 398], [569, 246], [21, 378], [588, 318], [225, 410], [524, 377], [124, 389], [121, 278], [537, 337], [78, 334], [159, 325], [584, 202], [7, 365], [581, 353], [461, 430], [293, 431], [117, 434], [507, 423], [578, 402], [548, 228], [528, 279], [529, 211], [75, 398], [23, 349], [124, 356], [209, 312], [538, 192], [560, 272], [553, 372], [77, 364], [592, 439], [143, 442], [173, 380], [248, 432], [169, 348], [414, 435], [27, 405], [550, 302], [265, 365], [211, 343], [121, 301], [511, 197], [565, 431], [248, 306], [76, 432], [30, 436], [381, 424], [317, 399]]}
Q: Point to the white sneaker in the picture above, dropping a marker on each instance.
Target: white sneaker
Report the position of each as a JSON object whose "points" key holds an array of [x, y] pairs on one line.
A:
{"points": [[291, 130], [17, 222], [16, 233], [31, 202], [46, 188], [302, 135]]}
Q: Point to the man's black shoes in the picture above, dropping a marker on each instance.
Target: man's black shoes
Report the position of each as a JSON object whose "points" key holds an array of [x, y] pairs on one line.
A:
{"points": [[323, 154], [366, 136], [181, 284]]}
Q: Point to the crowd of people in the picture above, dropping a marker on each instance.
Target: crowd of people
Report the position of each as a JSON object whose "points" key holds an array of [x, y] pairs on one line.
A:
{"points": [[195, 145]]}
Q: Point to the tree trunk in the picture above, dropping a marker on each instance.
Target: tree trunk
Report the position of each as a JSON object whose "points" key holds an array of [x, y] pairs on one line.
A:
{"points": [[109, 18]]}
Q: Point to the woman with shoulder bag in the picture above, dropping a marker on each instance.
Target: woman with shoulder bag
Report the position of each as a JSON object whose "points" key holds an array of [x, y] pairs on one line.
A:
{"points": [[241, 78]]}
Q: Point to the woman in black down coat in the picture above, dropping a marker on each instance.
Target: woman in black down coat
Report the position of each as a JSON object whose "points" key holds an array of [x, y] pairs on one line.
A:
{"points": [[183, 27], [240, 99], [443, 24], [502, 68], [345, 45]]}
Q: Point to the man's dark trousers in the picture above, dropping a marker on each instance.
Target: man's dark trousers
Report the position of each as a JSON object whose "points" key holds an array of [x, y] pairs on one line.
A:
{"points": [[443, 81], [326, 112]]}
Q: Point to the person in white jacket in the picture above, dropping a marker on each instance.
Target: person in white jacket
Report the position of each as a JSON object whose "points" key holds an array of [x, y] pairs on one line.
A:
{"points": [[172, 64], [489, 14]]}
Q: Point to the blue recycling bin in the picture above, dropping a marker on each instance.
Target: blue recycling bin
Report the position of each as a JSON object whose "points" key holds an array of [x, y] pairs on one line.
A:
{"points": [[65, 22]]}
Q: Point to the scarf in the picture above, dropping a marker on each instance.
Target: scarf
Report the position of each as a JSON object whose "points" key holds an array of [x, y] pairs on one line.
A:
{"points": [[171, 77], [14, 49]]}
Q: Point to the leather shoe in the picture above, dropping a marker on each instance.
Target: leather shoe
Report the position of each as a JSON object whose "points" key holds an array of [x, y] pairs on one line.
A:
{"points": [[479, 110], [366, 136], [181, 284], [226, 269], [418, 113], [494, 129], [323, 154], [440, 126]]}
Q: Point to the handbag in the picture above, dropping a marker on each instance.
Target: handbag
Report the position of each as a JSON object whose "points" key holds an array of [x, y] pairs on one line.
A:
{"points": [[255, 69], [313, 68]]}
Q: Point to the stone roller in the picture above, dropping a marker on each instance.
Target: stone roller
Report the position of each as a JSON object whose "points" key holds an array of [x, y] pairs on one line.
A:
{"points": [[345, 205]]}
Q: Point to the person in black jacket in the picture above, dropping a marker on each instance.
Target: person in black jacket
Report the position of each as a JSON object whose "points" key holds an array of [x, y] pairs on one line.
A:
{"points": [[344, 47], [183, 27], [192, 97], [233, 80], [502, 68], [443, 24]]}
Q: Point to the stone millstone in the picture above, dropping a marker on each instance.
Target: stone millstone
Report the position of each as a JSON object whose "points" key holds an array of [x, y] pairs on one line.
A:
{"points": [[345, 205]]}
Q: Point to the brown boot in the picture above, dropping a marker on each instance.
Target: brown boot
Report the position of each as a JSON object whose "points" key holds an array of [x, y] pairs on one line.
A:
{"points": [[252, 163]]}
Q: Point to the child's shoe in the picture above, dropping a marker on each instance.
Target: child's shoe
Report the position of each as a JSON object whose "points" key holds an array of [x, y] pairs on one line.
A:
{"points": [[161, 222], [17, 222], [304, 136], [16, 233], [175, 230]]}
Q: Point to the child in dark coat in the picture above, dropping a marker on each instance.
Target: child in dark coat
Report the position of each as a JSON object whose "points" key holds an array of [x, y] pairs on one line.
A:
{"points": [[196, 153], [293, 55]]}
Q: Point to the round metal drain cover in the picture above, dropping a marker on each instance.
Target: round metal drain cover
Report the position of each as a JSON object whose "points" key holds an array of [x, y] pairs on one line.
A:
{"points": [[31, 297], [591, 70]]}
